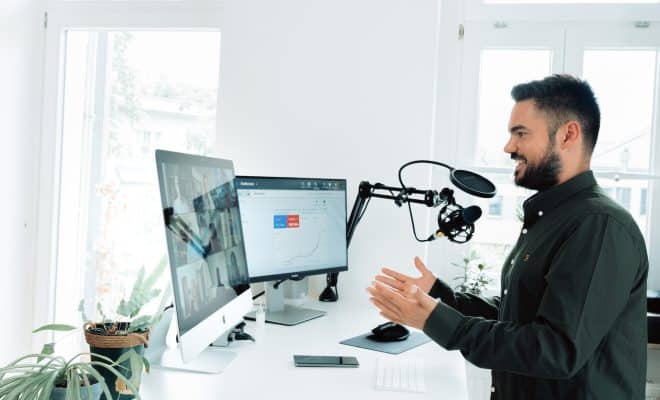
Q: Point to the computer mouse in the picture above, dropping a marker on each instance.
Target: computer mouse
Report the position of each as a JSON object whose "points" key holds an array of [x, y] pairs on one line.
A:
{"points": [[389, 332]]}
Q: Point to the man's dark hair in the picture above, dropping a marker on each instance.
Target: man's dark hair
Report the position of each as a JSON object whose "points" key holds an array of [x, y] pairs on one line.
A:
{"points": [[563, 98]]}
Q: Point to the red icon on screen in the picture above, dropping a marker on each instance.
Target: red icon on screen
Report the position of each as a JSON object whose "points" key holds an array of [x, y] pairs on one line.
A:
{"points": [[293, 221]]}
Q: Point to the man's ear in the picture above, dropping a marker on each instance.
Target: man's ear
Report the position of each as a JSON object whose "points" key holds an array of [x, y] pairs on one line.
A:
{"points": [[570, 135]]}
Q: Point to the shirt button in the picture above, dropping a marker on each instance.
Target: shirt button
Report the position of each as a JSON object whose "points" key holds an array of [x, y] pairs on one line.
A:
{"points": [[524, 231], [512, 262], [492, 389], [506, 291], [540, 213]]}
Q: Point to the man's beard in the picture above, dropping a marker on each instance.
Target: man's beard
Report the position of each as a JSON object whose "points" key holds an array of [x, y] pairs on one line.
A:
{"points": [[540, 176]]}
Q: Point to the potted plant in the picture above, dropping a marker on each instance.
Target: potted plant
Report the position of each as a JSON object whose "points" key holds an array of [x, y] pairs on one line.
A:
{"points": [[45, 376], [474, 280], [123, 337]]}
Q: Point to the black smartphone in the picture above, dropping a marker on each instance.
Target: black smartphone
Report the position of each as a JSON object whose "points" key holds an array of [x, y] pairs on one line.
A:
{"points": [[325, 361]]}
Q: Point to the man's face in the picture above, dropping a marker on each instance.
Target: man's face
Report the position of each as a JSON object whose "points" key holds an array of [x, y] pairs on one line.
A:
{"points": [[530, 145]]}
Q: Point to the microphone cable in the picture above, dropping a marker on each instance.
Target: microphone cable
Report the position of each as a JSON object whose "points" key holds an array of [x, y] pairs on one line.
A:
{"points": [[420, 162], [412, 219]]}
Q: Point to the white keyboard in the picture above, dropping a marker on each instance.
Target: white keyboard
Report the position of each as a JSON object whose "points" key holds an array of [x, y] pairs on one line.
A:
{"points": [[400, 374]]}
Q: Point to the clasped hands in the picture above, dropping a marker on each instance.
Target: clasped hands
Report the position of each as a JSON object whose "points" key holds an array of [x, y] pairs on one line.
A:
{"points": [[402, 298]]}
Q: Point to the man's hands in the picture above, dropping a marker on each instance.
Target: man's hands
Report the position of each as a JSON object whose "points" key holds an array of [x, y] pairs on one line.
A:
{"points": [[403, 299], [397, 280]]}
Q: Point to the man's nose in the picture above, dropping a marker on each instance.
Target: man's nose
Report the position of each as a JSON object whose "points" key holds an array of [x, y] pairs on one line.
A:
{"points": [[509, 146]]}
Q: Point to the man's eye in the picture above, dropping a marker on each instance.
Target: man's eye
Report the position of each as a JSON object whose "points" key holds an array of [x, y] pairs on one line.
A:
{"points": [[520, 133]]}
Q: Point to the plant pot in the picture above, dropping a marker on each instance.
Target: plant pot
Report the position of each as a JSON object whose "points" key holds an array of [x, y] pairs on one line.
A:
{"points": [[59, 393], [113, 347], [478, 382]]}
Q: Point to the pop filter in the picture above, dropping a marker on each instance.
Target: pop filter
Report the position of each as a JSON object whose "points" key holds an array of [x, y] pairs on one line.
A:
{"points": [[472, 183]]}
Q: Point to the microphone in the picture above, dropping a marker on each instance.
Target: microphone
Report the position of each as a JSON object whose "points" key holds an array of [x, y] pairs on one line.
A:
{"points": [[457, 223]]}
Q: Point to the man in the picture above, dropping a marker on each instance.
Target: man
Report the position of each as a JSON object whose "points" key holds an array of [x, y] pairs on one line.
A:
{"points": [[570, 321]]}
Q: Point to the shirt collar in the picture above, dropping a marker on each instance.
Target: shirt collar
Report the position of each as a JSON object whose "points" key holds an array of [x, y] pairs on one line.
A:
{"points": [[543, 202]]}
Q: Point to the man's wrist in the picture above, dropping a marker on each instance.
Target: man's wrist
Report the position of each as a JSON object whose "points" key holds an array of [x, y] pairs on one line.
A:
{"points": [[442, 323]]}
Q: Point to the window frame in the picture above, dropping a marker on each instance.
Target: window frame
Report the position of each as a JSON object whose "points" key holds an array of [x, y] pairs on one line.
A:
{"points": [[487, 36], [613, 28], [61, 16], [617, 36], [477, 10]]}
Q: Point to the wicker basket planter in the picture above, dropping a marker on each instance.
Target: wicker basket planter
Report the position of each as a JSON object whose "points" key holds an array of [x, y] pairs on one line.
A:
{"points": [[114, 346]]}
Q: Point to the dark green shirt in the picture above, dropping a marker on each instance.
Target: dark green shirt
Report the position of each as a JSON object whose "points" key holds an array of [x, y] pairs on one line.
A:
{"points": [[570, 322]]}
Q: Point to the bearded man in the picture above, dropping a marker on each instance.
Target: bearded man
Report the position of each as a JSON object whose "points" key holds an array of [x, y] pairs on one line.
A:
{"points": [[570, 320]]}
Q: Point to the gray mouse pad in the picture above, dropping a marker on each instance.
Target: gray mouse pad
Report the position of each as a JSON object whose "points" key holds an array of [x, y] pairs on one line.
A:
{"points": [[415, 339]]}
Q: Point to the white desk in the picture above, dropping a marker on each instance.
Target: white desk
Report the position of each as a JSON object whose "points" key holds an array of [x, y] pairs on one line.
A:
{"points": [[265, 369]]}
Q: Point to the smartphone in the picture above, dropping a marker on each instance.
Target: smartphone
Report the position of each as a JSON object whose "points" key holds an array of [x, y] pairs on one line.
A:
{"points": [[325, 361]]}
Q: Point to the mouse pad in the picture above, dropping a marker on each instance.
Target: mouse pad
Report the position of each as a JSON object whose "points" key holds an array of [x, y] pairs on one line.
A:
{"points": [[415, 339]]}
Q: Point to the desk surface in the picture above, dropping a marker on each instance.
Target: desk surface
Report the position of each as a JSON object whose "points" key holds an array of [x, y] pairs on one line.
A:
{"points": [[266, 368]]}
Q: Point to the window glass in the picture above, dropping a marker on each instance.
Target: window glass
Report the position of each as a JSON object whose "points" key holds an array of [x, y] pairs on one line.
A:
{"points": [[126, 94], [496, 233], [495, 206], [624, 82], [501, 70], [630, 194], [642, 201]]}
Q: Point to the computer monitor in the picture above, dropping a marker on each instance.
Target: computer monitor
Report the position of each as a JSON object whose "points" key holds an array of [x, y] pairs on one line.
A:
{"points": [[293, 227], [207, 255]]}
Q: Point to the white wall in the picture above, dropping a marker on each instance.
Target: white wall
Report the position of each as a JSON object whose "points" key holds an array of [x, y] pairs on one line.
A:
{"points": [[339, 88], [21, 47]]}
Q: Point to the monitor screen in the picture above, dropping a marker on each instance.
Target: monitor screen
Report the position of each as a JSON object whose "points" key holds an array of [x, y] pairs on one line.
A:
{"points": [[204, 235], [293, 226]]}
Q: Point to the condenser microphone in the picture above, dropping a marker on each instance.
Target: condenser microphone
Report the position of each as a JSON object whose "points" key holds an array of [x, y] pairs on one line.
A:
{"points": [[457, 224]]}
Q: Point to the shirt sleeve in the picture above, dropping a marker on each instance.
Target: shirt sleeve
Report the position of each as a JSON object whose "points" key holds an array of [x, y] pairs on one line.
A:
{"points": [[466, 303], [588, 286]]}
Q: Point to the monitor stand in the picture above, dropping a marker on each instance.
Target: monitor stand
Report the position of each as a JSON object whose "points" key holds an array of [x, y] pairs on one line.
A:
{"points": [[210, 361], [283, 314]]}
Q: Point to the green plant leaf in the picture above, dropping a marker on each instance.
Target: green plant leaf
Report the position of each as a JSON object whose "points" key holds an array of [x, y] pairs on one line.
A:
{"points": [[48, 349], [136, 368], [99, 378], [147, 364], [99, 308], [119, 375], [48, 387], [124, 357], [88, 386], [55, 327], [39, 386], [81, 309], [140, 324]]}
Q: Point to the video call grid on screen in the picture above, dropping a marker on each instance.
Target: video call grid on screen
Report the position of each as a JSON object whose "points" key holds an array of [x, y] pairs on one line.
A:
{"points": [[292, 225], [204, 234]]}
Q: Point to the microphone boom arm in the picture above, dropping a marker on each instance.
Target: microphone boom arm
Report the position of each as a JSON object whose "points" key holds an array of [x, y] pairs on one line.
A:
{"points": [[403, 195], [454, 222], [400, 195]]}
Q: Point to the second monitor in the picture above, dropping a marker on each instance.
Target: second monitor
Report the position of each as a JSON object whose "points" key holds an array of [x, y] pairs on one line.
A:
{"points": [[293, 227]]}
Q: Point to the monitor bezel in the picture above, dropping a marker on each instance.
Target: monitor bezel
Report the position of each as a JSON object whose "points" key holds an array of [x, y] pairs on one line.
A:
{"points": [[301, 274]]}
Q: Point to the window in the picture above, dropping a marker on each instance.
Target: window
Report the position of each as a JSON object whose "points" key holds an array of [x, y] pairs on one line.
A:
{"points": [[623, 197], [626, 104], [620, 62], [642, 201], [501, 69], [495, 206], [126, 93]]}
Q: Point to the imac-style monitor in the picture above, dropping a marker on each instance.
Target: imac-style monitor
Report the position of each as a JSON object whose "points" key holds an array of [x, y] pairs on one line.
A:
{"points": [[206, 251], [293, 227]]}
